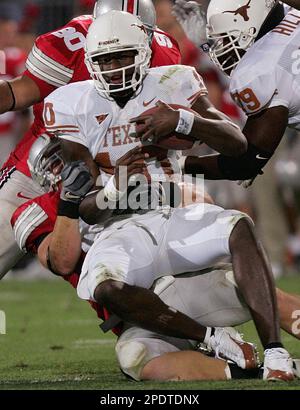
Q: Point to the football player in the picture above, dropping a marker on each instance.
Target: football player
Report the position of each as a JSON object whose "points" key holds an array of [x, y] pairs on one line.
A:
{"points": [[256, 45], [57, 58], [93, 120], [210, 296]]}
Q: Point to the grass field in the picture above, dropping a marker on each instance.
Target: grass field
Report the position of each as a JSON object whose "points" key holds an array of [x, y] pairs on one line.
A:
{"points": [[53, 342]]}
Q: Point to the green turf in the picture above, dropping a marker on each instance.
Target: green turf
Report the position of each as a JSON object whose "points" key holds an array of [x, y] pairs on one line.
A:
{"points": [[53, 342]]}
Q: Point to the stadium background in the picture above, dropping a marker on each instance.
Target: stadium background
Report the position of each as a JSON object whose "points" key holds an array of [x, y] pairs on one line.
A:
{"points": [[33, 303]]}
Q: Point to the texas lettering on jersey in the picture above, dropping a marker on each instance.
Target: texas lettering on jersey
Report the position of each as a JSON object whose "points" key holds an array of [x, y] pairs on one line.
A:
{"points": [[73, 113], [57, 59]]}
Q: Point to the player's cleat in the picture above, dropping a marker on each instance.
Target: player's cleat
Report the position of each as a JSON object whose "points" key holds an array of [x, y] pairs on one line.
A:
{"points": [[228, 344], [278, 365], [296, 368]]}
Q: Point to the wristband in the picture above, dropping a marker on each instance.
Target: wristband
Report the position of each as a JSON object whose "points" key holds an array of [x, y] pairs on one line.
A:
{"points": [[13, 97], [185, 122], [68, 209], [111, 192]]}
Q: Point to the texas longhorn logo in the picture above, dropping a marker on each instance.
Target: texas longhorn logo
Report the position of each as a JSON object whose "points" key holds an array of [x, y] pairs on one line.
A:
{"points": [[242, 11]]}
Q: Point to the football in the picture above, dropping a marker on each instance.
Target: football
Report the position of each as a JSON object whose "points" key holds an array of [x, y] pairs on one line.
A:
{"points": [[174, 140]]}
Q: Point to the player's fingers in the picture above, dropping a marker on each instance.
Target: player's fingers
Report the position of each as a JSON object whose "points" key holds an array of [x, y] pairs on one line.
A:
{"points": [[141, 130], [136, 170], [138, 157], [136, 150], [149, 135], [140, 119], [135, 158], [162, 104], [168, 171]]}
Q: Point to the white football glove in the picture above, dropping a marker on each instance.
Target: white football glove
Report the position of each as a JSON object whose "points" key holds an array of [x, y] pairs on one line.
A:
{"points": [[192, 19]]}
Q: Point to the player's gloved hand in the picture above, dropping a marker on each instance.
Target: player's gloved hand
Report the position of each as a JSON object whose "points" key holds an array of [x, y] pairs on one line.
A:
{"points": [[192, 19], [77, 181]]}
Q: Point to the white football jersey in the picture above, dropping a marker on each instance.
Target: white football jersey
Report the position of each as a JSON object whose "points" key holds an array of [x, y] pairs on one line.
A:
{"points": [[269, 73], [79, 114]]}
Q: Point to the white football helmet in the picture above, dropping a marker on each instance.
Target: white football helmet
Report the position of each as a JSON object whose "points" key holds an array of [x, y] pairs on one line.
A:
{"points": [[45, 155], [117, 31], [232, 27], [144, 9]]}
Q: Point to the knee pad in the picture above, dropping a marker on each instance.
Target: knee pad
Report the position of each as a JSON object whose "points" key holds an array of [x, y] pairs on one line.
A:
{"points": [[132, 357]]}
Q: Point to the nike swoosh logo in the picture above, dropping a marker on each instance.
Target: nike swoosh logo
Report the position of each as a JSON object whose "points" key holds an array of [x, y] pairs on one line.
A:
{"points": [[259, 157], [145, 104], [69, 195], [20, 195]]}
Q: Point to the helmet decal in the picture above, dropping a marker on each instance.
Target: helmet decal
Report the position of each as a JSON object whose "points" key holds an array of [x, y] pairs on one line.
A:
{"points": [[242, 11]]}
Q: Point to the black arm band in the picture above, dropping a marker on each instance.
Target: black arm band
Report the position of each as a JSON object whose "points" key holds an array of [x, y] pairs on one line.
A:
{"points": [[13, 97], [68, 209], [247, 166]]}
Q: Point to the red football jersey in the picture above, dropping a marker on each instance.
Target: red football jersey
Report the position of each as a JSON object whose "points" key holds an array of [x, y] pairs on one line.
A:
{"points": [[34, 220], [57, 59]]}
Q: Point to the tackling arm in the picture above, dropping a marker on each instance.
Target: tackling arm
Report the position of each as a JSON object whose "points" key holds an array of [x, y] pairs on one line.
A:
{"points": [[60, 251], [263, 131], [18, 94], [95, 207], [216, 130], [89, 211], [210, 126]]}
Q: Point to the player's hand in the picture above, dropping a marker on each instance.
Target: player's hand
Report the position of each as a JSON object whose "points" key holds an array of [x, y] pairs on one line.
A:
{"points": [[160, 123], [191, 16], [76, 181], [133, 162]]}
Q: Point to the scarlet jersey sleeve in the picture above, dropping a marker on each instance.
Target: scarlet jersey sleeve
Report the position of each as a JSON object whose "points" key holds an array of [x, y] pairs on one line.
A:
{"points": [[33, 220], [165, 50], [55, 56]]}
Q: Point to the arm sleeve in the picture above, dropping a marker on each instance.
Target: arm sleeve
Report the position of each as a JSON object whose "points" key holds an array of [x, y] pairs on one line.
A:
{"points": [[55, 56], [33, 220], [254, 95], [165, 50], [60, 119]]}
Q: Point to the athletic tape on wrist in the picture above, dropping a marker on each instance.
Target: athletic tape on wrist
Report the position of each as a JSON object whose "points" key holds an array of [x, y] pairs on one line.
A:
{"points": [[185, 122]]}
